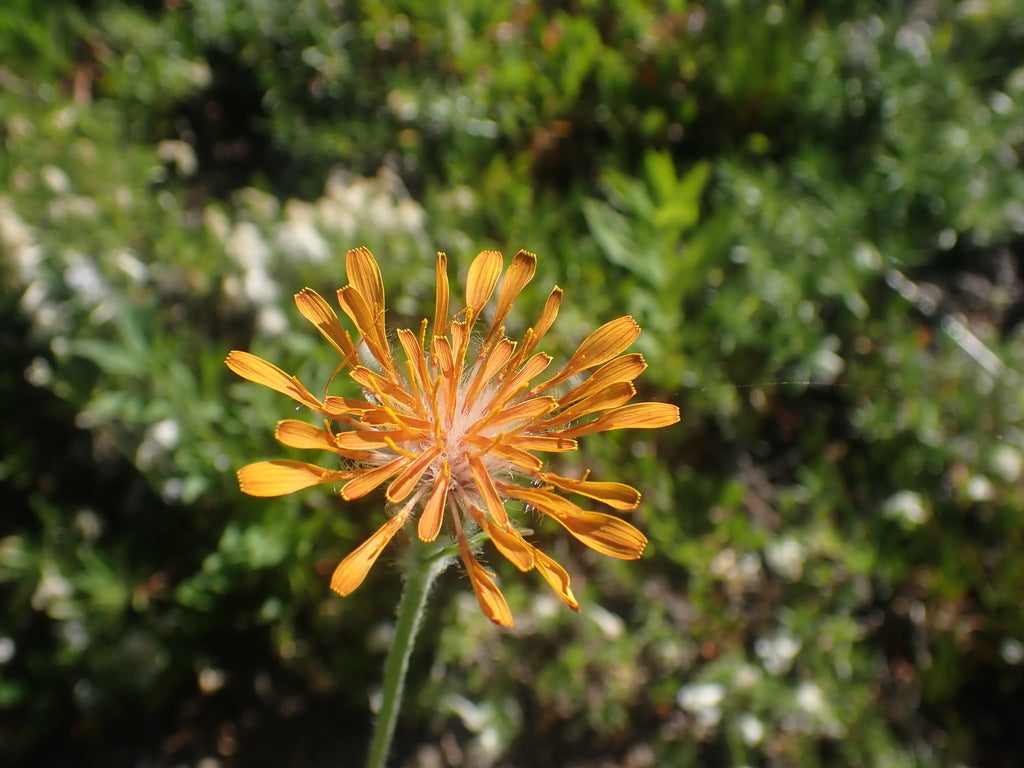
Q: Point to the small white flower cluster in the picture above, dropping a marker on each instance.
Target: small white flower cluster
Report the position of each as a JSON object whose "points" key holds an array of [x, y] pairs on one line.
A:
{"points": [[273, 236], [785, 556], [777, 652], [58, 284], [906, 507], [703, 701], [739, 571], [711, 706], [159, 439]]}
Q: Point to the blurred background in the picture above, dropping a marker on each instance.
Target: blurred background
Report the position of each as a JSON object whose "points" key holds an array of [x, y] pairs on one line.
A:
{"points": [[814, 209]]}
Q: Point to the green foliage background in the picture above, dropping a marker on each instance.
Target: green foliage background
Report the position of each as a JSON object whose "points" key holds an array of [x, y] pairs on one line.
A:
{"points": [[814, 209]]}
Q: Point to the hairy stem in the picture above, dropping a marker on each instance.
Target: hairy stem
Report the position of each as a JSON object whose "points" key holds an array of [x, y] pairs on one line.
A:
{"points": [[425, 563]]}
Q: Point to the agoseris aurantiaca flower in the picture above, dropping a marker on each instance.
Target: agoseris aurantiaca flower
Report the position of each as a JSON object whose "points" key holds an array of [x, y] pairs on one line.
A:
{"points": [[457, 427]]}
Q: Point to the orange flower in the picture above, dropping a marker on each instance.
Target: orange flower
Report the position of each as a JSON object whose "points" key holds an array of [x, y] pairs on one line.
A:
{"points": [[456, 426]]}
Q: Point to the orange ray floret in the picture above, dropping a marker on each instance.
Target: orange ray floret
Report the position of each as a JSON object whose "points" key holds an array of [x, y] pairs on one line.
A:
{"points": [[598, 348], [299, 434], [456, 428], [547, 318], [367, 480], [508, 541], [259, 371], [433, 513], [491, 601], [611, 396], [483, 277], [621, 369], [606, 534], [635, 416], [314, 308], [364, 274], [441, 300], [556, 577], [615, 495], [404, 484], [278, 478], [353, 569], [519, 273], [487, 489]]}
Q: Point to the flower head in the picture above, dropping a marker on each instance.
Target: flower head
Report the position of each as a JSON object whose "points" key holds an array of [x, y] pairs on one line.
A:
{"points": [[455, 427]]}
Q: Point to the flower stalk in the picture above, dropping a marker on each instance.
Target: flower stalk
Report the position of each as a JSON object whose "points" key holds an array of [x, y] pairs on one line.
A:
{"points": [[425, 562]]}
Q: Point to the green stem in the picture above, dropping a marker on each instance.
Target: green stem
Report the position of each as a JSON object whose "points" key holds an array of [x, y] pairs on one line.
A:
{"points": [[425, 564]]}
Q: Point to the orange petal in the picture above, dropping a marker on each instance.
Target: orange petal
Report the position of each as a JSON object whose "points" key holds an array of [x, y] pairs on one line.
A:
{"points": [[460, 342], [443, 358], [364, 274], [366, 480], [483, 276], [258, 370], [299, 434], [441, 300], [314, 308], [372, 439], [383, 387], [611, 396], [542, 443], [433, 513], [511, 544], [511, 387], [490, 494], [615, 495], [353, 569], [414, 354], [369, 323], [277, 478], [635, 416], [341, 407], [495, 358], [598, 348], [359, 311], [519, 273], [528, 410], [606, 342], [391, 417], [547, 317], [405, 482], [442, 355], [533, 367], [556, 576], [499, 447], [606, 534], [625, 368], [603, 533], [491, 601]]}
